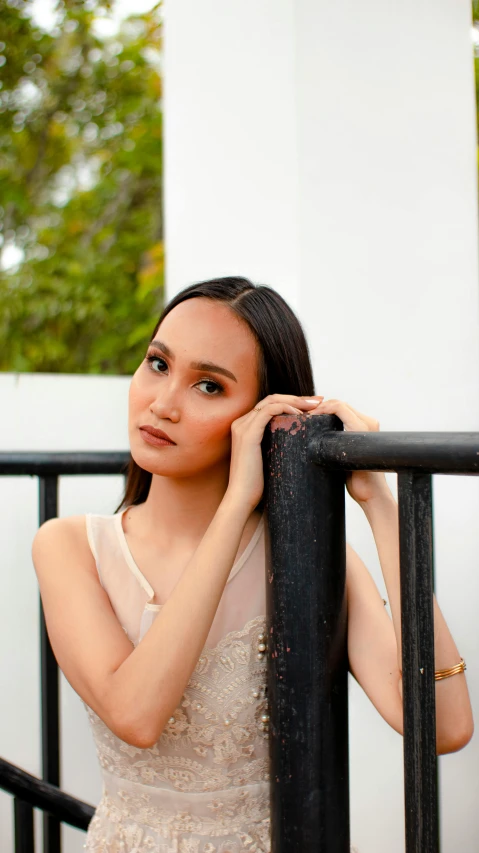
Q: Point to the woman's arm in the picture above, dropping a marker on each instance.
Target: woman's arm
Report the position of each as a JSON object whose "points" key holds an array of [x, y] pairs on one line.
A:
{"points": [[151, 681], [454, 720], [374, 641], [134, 690]]}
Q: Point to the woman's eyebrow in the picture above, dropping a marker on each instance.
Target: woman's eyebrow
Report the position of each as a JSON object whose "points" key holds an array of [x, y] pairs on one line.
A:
{"points": [[196, 365], [212, 368], [162, 346]]}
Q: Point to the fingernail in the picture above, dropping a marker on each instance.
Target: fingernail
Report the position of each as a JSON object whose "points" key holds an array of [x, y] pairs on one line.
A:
{"points": [[314, 402]]}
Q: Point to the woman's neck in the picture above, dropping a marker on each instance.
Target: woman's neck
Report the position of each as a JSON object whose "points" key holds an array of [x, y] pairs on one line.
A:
{"points": [[183, 506]]}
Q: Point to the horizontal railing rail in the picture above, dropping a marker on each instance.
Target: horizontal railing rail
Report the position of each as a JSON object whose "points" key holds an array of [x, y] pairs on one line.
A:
{"points": [[429, 452], [42, 795], [53, 464]]}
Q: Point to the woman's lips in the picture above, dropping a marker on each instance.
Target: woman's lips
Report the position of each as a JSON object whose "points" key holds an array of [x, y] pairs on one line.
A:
{"points": [[156, 437]]}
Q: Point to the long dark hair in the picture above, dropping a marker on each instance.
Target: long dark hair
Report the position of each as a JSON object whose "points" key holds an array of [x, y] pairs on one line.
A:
{"points": [[285, 364]]}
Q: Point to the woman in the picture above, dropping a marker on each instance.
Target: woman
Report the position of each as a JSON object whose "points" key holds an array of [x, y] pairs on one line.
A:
{"points": [[156, 614]]}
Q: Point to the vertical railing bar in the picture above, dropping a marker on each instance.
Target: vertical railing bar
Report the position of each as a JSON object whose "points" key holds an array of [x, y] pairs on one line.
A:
{"points": [[433, 582], [417, 629], [23, 826], [307, 642], [50, 690]]}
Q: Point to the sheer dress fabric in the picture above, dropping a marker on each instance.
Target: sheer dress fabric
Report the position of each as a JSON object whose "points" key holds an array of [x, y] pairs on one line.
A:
{"points": [[204, 785]]}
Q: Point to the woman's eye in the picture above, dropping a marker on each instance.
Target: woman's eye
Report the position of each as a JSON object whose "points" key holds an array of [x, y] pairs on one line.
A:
{"points": [[211, 388], [152, 358]]}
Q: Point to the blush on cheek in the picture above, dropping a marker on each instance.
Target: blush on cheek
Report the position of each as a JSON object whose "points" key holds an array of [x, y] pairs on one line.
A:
{"points": [[210, 431]]}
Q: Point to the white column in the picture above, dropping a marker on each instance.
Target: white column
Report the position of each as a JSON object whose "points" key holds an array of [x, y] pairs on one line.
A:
{"points": [[230, 142]]}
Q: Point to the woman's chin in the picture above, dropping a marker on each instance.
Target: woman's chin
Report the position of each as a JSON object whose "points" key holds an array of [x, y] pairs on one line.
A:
{"points": [[179, 469], [156, 463], [151, 461]]}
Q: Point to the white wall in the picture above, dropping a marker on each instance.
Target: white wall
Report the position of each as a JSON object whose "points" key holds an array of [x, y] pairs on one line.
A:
{"points": [[329, 149], [56, 413]]}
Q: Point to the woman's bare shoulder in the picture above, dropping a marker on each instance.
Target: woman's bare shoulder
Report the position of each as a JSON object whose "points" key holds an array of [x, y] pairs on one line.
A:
{"points": [[64, 536], [67, 525]]}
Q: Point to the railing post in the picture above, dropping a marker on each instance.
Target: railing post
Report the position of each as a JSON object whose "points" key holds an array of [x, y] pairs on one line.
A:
{"points": [[307, 641], [419, 692], [23, 822], [50, 688]]}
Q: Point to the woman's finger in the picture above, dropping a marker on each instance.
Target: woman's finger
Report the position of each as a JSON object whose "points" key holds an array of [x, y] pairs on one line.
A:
{"points": [[260, 415], [271, 409], [291, 399], [372, 423], [351, 419]]}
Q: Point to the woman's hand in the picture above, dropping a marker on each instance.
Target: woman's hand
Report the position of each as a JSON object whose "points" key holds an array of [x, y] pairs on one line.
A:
{"points": [[361, 485], [246, 482]]}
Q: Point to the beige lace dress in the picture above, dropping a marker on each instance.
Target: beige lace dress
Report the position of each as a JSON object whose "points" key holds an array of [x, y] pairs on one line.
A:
{"points": [[203, 787]]}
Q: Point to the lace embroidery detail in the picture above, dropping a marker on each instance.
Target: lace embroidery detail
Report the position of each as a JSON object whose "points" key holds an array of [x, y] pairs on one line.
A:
{"points": [[226, 818], [221, 718], [133, 827]]}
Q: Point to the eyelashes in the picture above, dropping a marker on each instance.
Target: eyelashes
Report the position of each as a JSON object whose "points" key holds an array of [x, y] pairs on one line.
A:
{"points": [[151, 358], [218, 389]]}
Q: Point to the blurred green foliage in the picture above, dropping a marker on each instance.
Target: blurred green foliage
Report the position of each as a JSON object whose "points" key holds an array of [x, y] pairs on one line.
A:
{"points": [[475, 21], [81, 189]]}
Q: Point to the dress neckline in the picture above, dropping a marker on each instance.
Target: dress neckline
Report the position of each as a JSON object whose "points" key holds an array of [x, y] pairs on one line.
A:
{"points": [[145, 584]]}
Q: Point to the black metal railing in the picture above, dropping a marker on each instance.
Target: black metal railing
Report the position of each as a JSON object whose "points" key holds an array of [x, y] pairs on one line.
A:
{"points": [[307, 648], [308, 659], [28, 791]]}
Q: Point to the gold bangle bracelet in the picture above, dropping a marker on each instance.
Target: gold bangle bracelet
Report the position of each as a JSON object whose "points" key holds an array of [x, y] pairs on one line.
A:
{"points": [[453, 670]]}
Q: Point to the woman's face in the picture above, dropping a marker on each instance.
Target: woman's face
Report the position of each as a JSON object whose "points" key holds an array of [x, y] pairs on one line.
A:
{"points": [[199, 376]]}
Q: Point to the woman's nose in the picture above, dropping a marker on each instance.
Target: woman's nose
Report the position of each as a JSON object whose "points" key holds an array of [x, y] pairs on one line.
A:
{"points": [[166, 405]]}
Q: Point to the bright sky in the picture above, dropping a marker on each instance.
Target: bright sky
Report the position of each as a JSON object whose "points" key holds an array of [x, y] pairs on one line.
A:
{"points": [[44, 14]]}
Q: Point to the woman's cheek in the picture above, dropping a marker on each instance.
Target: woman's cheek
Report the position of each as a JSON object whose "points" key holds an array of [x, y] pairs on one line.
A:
{"points": [[211, 435], [218, 424]]}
